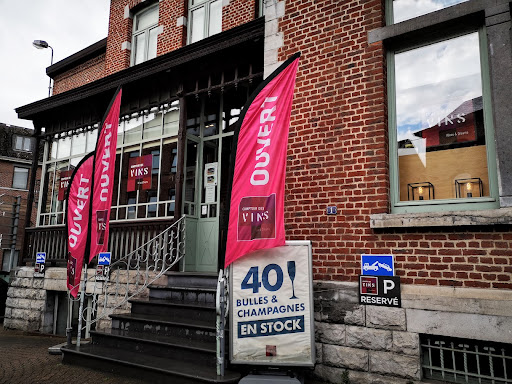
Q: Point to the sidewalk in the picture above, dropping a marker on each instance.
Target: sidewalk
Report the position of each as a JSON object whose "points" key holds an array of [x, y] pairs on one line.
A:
{"points": [[24, 359]]}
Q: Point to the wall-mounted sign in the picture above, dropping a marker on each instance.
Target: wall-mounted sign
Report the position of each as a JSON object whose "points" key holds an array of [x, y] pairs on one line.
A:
{"points": [[210, 174], [332, 210], [380, 290], [377, 265], [39, 268], [139, 173], [103, 268], [65, 176], [272, 307]]}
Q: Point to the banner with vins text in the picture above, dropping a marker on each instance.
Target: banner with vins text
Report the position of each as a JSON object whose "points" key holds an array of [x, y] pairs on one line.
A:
{"points": [[256, 216]]}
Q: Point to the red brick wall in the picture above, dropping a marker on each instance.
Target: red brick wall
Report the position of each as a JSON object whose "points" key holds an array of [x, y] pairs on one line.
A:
{"points": [[6, 176], [85, 73], [338, 156], [173, 37], [238, 12], [119, 31]]}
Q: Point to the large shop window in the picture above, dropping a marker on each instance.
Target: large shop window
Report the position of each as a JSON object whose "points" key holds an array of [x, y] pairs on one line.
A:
{"points": [[441, 134], [401, 10], [205, 19], [146, 166], [145, 34]]}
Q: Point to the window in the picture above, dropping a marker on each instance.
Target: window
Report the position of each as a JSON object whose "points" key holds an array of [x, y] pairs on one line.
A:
{"points": [[146, 140], [441, 135], [20, 177], [205, 19], [408, 9], [457, 360], [22, 143], [145, 33]]}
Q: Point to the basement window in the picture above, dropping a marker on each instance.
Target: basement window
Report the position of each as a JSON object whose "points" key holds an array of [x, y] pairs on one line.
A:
{"points": [[456, 360]]}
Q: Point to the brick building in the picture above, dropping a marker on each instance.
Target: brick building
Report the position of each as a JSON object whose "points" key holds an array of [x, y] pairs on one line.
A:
{"points": [[401, 120], [16, 149]]}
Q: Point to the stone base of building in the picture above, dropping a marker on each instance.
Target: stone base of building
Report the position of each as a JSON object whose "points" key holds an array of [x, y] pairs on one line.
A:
{"points": [[358, 343]]}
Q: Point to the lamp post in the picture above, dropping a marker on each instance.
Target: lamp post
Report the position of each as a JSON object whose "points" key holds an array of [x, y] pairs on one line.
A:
{"points": [[41, 44]]}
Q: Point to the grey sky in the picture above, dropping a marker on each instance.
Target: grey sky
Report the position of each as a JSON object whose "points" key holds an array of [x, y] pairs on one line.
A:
{"points": [[67, 25]]}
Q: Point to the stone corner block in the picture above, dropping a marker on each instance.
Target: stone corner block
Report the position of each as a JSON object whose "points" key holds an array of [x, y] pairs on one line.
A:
{"points": [[386, 318], [406, 343], [368, 338], [345, 357], [387, 362], [329, 333]]}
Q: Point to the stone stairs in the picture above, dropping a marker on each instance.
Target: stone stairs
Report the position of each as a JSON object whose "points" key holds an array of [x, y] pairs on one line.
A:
{"points": [[169, 337]]}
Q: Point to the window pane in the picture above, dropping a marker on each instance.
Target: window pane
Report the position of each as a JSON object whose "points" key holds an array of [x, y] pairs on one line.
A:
{"points": [[64, 149], [78, 146], [139, 48], [20, 177], [215, 22], [19, 143], [439, 117], [152, 125], [27, 141], [91, 139], [153, 35], [133, 130], [408, 9], [146, 19], [171, 121], [197, 25]]}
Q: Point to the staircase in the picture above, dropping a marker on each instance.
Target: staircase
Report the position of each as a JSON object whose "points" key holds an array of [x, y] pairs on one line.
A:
{"points": [[169, 337]]}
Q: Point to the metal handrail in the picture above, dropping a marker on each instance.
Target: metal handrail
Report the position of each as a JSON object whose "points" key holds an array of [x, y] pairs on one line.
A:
{"points": [[128, 277]]}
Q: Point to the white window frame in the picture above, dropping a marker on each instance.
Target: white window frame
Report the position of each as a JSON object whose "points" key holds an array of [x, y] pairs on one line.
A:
{"points": [[146, 31], [24, 141], [191, 8]]}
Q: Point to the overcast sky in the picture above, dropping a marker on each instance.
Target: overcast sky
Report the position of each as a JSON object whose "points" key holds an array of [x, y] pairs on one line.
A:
{"points": [[67, 25]]}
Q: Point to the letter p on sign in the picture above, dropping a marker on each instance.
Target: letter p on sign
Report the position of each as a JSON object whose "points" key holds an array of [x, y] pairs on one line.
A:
{"points": [[388, 286]]}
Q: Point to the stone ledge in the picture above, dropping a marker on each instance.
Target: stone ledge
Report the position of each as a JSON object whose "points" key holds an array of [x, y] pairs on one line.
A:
{"points": [[502, 216]]}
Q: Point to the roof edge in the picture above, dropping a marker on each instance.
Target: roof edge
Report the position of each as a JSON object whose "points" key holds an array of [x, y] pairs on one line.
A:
{"points": [[77, 58]]}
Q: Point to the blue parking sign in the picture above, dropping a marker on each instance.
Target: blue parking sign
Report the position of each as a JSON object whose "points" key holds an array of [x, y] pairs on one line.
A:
{"points": [[377, 265], [104, 258], [40, 257]]}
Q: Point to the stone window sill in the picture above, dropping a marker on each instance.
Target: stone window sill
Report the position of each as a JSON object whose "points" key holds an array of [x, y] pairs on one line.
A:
{"points": [[501, 216]]}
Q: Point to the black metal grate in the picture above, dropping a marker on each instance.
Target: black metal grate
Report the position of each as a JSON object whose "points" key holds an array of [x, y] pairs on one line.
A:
{"points": [[458, 360]]}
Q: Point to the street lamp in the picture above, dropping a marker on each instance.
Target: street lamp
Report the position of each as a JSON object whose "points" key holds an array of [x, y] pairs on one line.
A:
{"points": [[41, 44]]}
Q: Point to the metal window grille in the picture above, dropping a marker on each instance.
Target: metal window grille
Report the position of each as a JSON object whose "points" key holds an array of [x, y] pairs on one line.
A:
{"points": [[458, 360]]}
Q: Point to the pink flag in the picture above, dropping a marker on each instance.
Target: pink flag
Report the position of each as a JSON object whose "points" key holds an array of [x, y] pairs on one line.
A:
{"points": [[256, 216], [77, 219], [103, 182]]}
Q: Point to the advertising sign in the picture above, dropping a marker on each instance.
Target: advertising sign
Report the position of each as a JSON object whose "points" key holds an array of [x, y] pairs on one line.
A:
{"points": [[382, 291], [39, 267], [272, 307], [139, 173], [377, 265], [256, 213], [65, 176]]}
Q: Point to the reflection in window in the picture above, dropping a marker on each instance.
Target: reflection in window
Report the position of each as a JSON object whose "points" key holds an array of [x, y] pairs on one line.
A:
{"points": [[439, 117], [408, 9]]}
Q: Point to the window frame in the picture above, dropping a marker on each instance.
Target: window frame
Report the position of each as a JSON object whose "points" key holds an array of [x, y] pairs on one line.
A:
{"points": [[24, 139], [192, 8], [388, 8], [14, 174], [145, 32], [418, 206]]}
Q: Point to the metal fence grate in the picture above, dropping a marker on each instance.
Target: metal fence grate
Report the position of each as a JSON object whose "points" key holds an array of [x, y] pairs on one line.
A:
{"points": [[466, 361]]}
